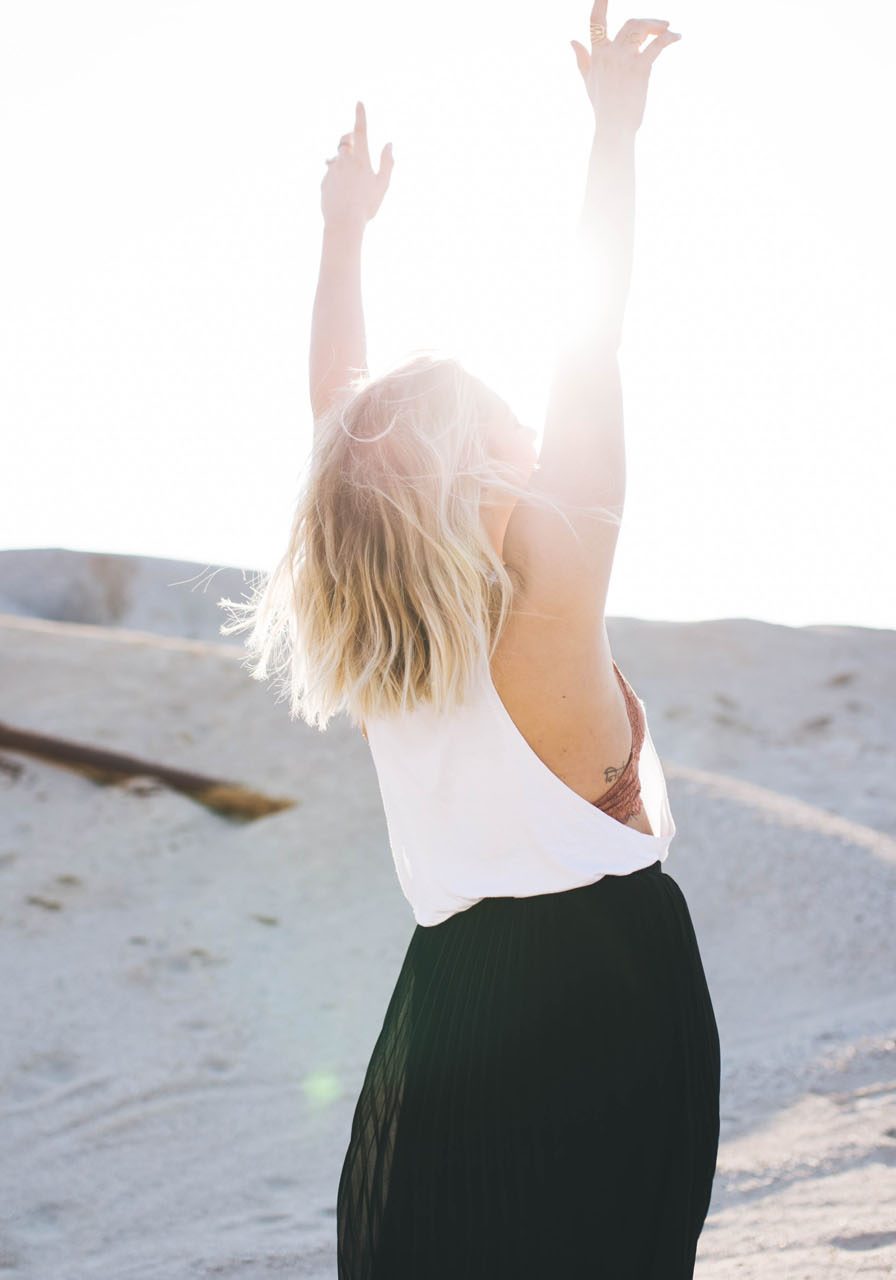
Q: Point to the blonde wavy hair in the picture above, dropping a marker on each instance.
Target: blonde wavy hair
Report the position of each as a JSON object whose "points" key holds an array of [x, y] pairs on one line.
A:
{"points": [[389, 591]]}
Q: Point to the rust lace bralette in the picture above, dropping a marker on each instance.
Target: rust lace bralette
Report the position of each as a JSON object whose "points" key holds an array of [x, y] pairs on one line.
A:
{"points": [[623, 800]]}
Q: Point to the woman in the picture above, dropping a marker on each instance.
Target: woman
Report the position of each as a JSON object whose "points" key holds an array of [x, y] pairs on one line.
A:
{"points": [[543, 1097]]}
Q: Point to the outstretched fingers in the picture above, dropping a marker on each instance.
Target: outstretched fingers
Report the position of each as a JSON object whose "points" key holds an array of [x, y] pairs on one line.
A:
{"points": [[635, 31], [662, 41], [360, 133], [598, 23], [362, 150]]}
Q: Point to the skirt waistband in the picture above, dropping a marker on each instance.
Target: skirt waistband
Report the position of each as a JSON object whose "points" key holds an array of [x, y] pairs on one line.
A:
{"points": [[654, 868]]}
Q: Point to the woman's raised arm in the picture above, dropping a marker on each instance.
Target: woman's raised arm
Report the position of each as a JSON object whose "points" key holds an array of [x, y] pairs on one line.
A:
{"points": [[582, 458], [351, 194]]}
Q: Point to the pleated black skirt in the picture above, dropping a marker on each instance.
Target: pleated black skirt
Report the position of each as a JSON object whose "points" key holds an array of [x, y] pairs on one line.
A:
{"points": [[543, 1097]]}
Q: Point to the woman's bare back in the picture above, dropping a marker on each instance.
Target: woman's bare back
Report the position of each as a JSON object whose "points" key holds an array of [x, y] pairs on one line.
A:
{"points": [[556, 679]]}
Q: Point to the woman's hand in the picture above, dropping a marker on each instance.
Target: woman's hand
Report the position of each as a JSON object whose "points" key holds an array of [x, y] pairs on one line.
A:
{"points": [[351, 192], [616, 72]]}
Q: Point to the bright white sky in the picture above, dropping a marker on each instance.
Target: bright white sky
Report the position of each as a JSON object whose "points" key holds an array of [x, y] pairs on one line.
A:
{"points": [[159, 245]]}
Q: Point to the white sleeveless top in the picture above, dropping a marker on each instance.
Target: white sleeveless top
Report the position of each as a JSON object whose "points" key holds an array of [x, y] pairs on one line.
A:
{"points": [[472, 811]]}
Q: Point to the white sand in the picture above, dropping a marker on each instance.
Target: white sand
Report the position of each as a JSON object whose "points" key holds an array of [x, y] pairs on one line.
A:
{"points": [[187, 1029]]}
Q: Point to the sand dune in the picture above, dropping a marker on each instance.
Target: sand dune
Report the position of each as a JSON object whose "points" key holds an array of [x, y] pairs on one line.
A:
{"points": [[141, 593], [190, 1001]]}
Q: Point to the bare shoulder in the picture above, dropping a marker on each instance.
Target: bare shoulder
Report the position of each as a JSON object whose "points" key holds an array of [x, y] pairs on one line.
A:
{"points": [[565, 560], [566, 555]]}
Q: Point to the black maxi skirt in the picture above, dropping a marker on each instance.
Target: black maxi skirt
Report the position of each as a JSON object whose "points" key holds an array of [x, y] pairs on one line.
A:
{"points": [[543, 1098]]}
